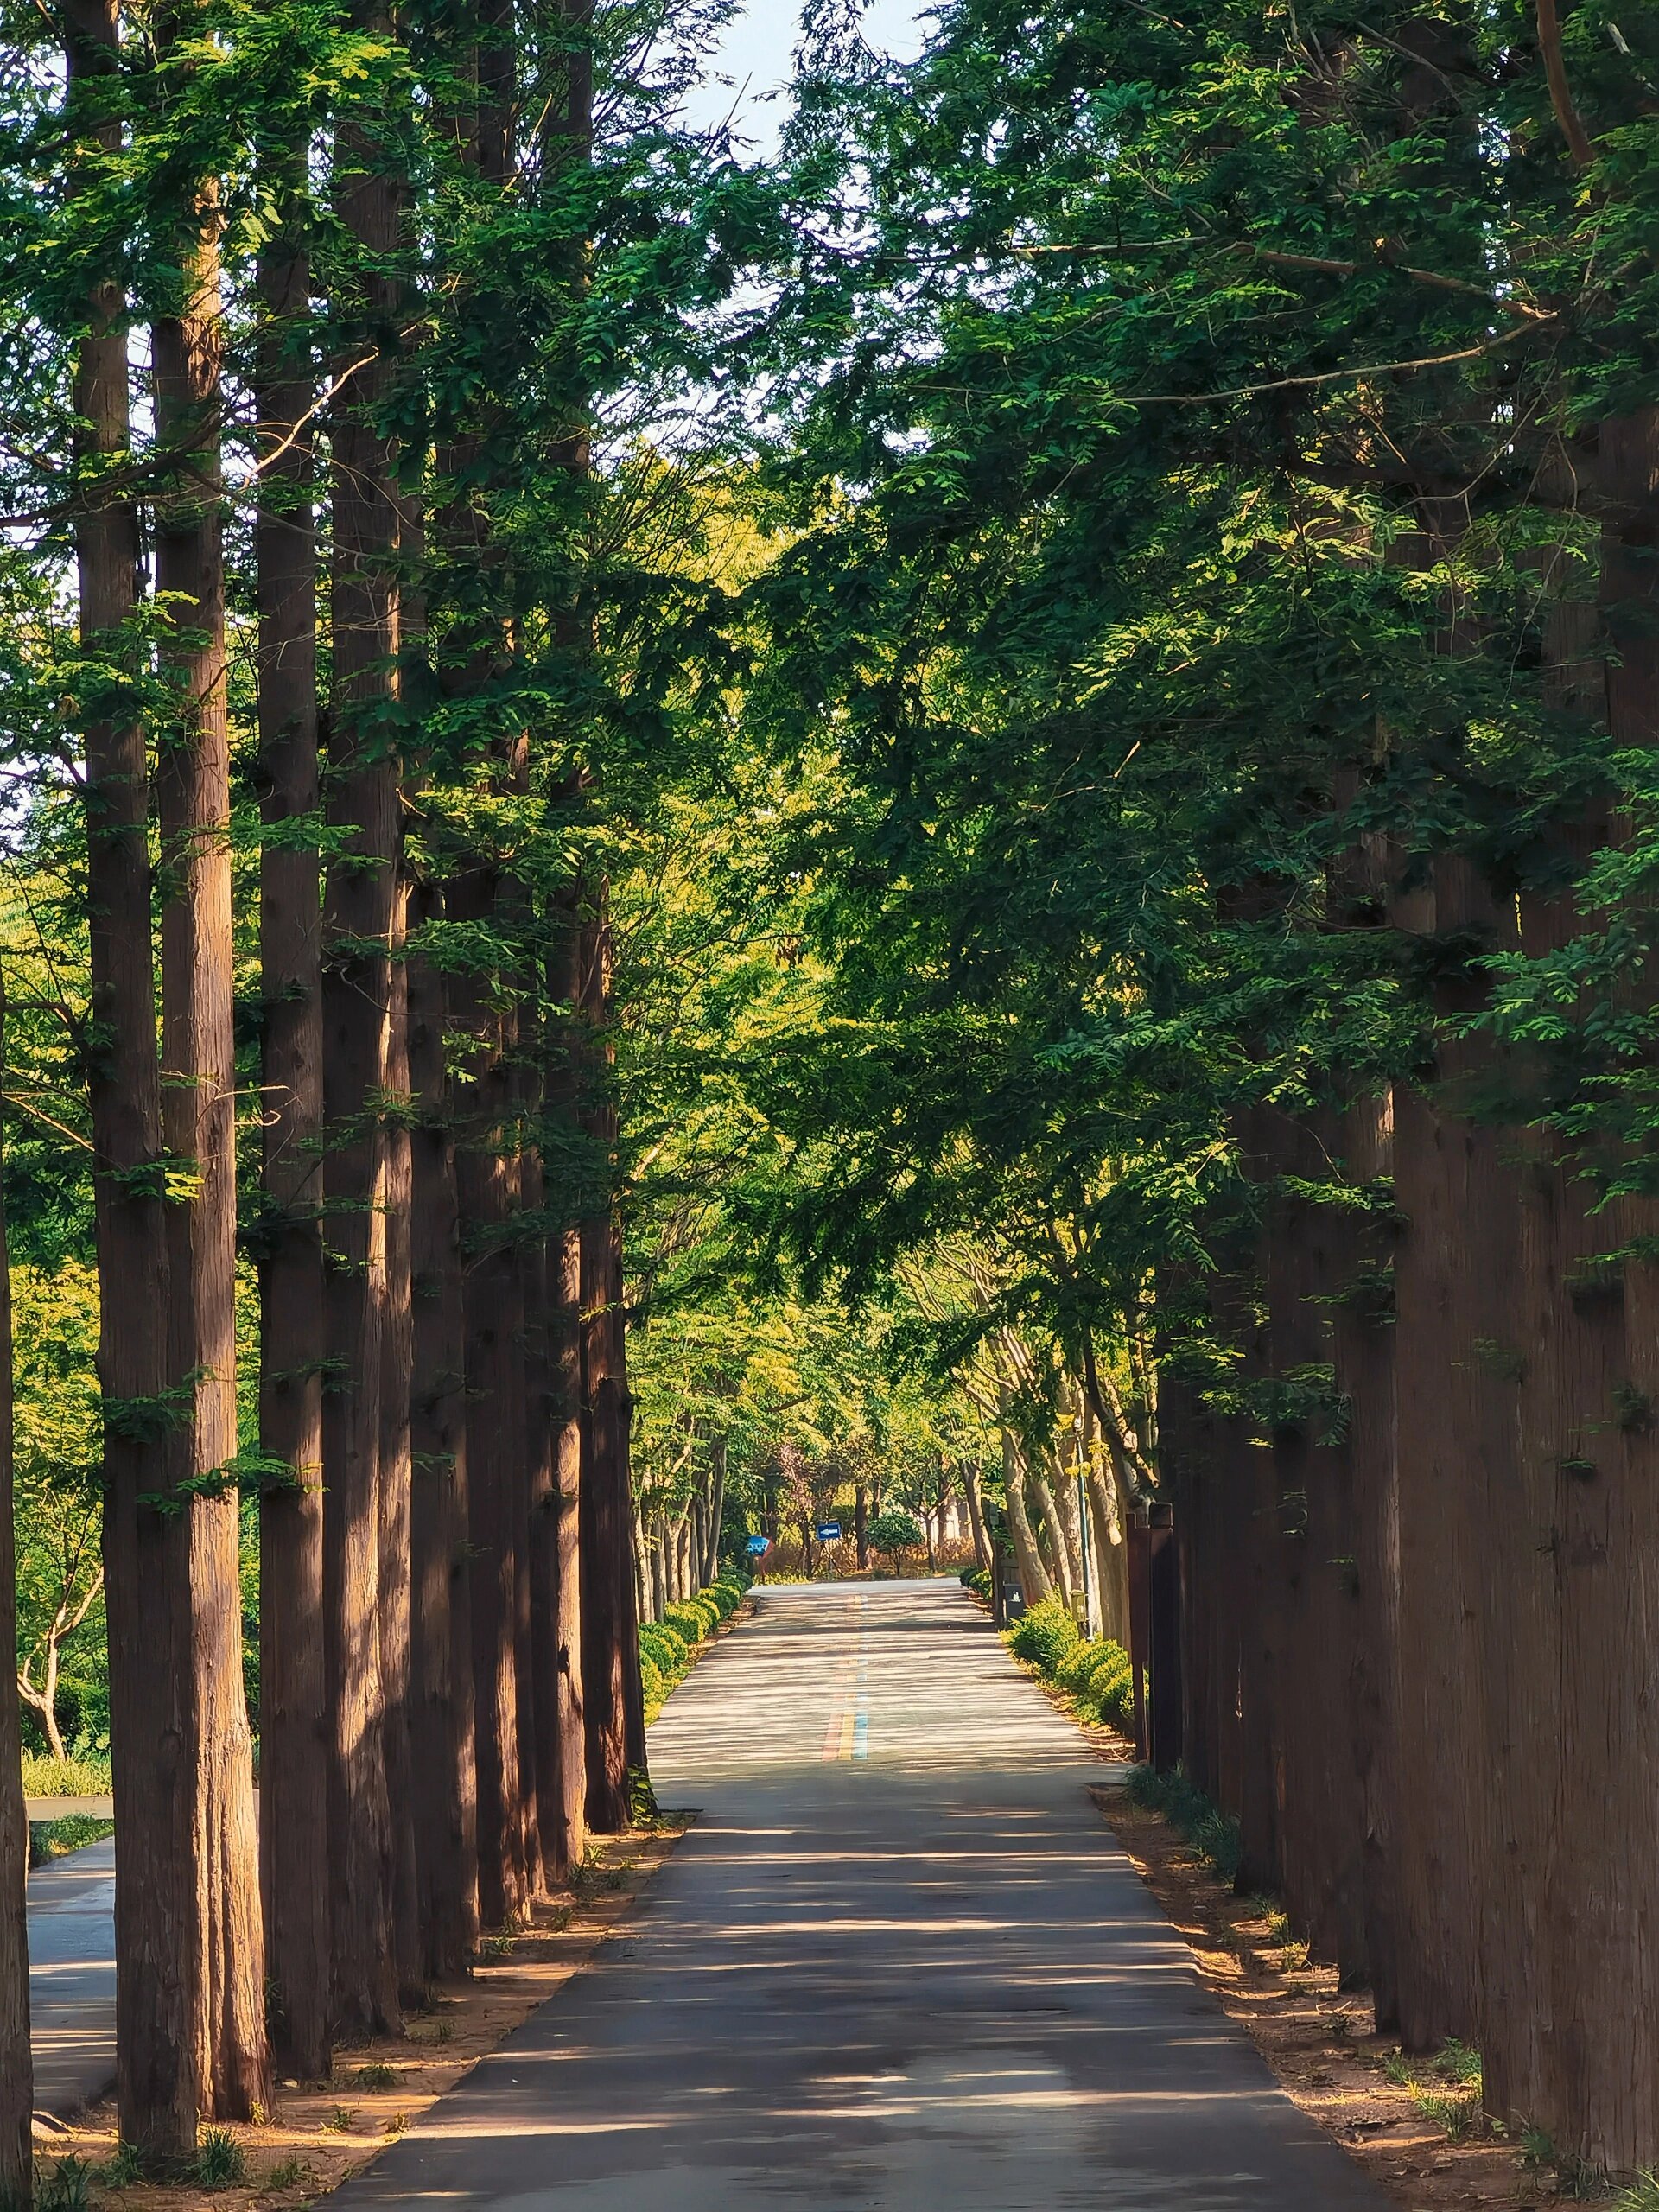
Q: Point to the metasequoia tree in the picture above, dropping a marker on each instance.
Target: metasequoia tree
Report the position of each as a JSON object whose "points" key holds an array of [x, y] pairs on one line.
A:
{"points": [[360, 911], [293, 1687], [199, 1130], [146, 1549], [16, 2060]]}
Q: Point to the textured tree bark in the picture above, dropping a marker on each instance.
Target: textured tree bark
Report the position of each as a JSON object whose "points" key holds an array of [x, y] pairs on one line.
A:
{"points": [[199, 1124], [564, 1810], [146, 1553], [487, 1179], [1455, 1409], [293, 1721], [1571, 2038], [356, 1016], [607, 1515], [536, 1534], [716, 1513], [557, 1554], [17, 2060], [1324, 1830], [394, 1501], [444, 1807], [1363, 1339], [1605, 1987]]}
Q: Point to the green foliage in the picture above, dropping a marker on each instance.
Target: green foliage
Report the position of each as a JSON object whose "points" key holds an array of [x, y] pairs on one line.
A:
{"points": [[66, 2188], [665, 1646], [977, 1578], [221, 2163], [1043, 1636], [87, 1777], [1211, 1831], [1098, 1676], [894, 1534], [49, 1839], [689, 1620]]}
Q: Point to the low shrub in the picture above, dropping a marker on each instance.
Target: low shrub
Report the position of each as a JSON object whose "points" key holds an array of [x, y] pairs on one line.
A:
{"points": [[49, 1839], [1211, 1831], [1043, 1636], [650, 1680], [977, 1578], [690, 1619], [665, 1644], [49, 1777]]}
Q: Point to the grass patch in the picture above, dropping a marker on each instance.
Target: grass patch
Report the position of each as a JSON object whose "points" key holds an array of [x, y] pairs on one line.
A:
{"points": [[68, 2187], [491, 1949], [339, 2121], [378, 2075], [1183, 1805], [50, 1840], [1445, 2089], [126, 2168], [49, 1777], [291, 2173], [1643, 2195], [221, 2161]]}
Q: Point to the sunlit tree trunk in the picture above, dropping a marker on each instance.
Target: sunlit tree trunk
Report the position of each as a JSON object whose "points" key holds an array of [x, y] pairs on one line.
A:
{"points": [[359, 913], [17, 2061], [198, 1125], [444, 1808], [293, 1720], [146, 1552]]}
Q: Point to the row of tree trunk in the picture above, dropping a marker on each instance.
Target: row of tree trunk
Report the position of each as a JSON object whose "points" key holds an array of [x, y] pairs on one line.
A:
{"points": [[1420, 1634], [448, 1662]]}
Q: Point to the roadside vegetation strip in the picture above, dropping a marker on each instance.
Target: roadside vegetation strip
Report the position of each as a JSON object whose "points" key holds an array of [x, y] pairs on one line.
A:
{"points": [[671, 1647], [322, 2131], [1415, 2123], [56, 1839], [1092, 1672]]}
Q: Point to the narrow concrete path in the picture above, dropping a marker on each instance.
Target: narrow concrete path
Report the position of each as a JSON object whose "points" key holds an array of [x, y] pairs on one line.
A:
{"points": [[899, 1964], [72, 1977]]}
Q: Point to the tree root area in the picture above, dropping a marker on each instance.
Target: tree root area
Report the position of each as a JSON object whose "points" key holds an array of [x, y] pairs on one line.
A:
{"points": [[1319, 2040], [322, 2131]]}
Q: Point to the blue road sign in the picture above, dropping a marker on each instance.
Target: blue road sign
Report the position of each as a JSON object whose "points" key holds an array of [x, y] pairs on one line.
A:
{"points": [[829, 1532], [759, 1546]]}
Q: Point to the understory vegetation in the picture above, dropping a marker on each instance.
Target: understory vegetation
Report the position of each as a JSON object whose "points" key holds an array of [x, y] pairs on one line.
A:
{"points": [[1094, 1671]]}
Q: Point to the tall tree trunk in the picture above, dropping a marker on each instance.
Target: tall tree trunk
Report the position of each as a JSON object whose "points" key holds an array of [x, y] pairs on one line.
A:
{"points": [[564, 1810], [1455, 1351], [1569, 2035], [293, 1718], [17, 2060], [146, 1552], [444, 1808], [715, 1517], [363, 806], [556, 1553], [970, 1484], [394, 1502], [487, 1177], [1362, 1350], [536, 1532], [199, 1124], [608, 1517]]}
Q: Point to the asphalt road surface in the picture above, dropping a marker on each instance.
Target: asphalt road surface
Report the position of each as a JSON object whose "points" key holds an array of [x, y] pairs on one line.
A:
{"points": [[72, 1977], [899, 1964]]}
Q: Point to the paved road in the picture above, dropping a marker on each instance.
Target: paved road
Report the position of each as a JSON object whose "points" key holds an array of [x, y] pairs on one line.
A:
{"points": [[72, 1977], [900, 1964]]}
